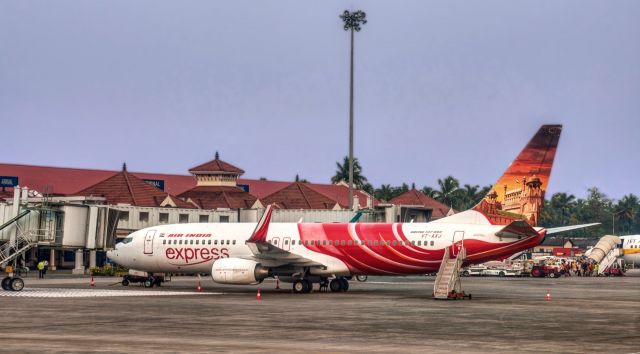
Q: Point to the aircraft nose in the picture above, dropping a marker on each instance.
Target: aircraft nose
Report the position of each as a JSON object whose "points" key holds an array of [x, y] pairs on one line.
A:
{"points": [[112, 255]]}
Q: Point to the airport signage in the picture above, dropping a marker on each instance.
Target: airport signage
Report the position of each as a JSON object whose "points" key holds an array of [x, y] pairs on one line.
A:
{"points": [[8, 181], [158, 183]]}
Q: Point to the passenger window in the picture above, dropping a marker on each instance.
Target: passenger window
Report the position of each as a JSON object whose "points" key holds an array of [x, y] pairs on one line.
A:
{"points": [[342, 243], [306, 242], [180, 242], [419, 243], [330, 243], [394, 243], [228, 242], [234, 242], [197, 242], [209, 241], [375, 243], [413, 242], [164, 242], [349, 243], [286, 242], [215, 242], [432, 243]]}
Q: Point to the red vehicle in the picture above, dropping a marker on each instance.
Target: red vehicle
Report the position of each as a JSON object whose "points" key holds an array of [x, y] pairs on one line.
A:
{"points": [[541, 271], [613, 272]]}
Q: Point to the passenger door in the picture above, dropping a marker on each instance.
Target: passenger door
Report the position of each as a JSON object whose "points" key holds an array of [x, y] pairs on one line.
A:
{"points": [[458, 237], [148, 241]]}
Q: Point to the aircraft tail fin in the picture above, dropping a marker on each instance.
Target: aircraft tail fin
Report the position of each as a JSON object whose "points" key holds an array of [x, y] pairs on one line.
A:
{"points": [[519, 192]]}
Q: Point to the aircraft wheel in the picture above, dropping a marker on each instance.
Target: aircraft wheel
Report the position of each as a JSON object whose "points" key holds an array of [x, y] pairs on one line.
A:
{"points": [[501, 274], [149, 282], [125, 282], [361, 278], [299, 286], [344, 284], [465, 273], [17, 284], [335, 285], [6, 284], [552, 275]]}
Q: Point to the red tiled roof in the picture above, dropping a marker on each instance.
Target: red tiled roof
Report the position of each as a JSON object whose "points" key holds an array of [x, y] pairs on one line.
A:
{"points": [[299, 195], [415, 197], [125, 188], [262, 188], [214, 197], [340, 193], [6, 193], [66, 181], [217, 165]]}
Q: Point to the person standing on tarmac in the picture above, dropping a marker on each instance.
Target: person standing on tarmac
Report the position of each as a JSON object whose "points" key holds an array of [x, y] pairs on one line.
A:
{"points": [[40, 269], [46, 266]]}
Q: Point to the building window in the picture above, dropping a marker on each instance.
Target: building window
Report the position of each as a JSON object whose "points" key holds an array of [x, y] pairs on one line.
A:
{"points": [[124, 216], [224, 218], [164, 218], [144, 216], [183, 218], [204, 218]]}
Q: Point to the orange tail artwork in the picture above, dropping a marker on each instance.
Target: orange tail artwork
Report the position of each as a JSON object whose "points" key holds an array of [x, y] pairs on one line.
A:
{"points": [[519, 193]]}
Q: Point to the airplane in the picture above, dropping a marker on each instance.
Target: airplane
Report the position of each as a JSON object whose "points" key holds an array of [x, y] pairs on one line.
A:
{"points": [[631, 249], [304, 254]]}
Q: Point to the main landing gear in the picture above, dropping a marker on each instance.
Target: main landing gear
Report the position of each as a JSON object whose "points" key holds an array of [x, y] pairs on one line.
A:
{"points": [[12, 284], [339, 284], [304, 285]]}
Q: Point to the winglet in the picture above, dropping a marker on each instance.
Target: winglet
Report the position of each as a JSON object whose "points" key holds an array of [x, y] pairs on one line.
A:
{"points": [[260, 233]]}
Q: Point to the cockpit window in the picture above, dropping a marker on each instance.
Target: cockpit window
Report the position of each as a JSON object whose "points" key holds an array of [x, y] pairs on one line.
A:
{"points": [[127, 240]]}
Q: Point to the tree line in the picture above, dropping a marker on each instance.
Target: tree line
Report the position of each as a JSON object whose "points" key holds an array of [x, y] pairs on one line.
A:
{"points": [[559, 209]]}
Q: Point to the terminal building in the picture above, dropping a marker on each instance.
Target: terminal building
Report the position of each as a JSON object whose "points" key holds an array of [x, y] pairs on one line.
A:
{"points": [[70, 216]]}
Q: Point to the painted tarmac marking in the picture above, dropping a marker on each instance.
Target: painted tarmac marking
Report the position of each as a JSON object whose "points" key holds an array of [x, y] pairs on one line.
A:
{"points": [[71, 293]]}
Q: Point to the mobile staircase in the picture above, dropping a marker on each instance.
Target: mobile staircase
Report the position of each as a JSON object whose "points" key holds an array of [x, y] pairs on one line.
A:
{"points": [[10, 250], [605, 252], [448, 285]]}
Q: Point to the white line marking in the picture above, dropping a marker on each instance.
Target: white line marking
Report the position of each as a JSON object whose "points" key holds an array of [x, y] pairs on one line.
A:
{"points": [[74, 293]]}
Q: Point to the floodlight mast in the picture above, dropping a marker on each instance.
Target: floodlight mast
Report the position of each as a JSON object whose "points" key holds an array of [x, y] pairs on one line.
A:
{"points": [[352, 22]]}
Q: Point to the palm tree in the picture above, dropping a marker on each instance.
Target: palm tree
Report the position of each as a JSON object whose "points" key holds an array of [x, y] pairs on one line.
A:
{"points": [[428, 191], [342, 173], [626, 210], [448, 192], [562, 204], [384, 193]]}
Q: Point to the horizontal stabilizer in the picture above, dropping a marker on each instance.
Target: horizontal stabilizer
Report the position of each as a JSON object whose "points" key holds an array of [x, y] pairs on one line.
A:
{"points": [[518, 228], [555, 230]]}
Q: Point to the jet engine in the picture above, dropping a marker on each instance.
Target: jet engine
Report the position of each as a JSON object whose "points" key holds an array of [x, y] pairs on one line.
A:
{"points": [[238, 271]]}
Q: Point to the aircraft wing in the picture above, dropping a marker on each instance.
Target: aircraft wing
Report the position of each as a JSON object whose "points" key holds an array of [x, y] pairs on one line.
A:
{"points": [[270, 255], [555, 230]]}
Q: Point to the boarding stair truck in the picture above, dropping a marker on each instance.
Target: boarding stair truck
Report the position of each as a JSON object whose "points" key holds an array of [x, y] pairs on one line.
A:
{"points": [[10, 250], [448, 285], [605, 253]]}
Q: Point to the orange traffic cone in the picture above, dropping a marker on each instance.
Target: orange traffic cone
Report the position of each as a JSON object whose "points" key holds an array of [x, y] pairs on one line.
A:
{"points": [[258, 296], [548, 295], [199, 288], [92, 283], [277, 282]]}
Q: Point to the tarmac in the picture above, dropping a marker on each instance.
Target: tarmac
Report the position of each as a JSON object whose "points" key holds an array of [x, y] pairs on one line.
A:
{"points": [[63, 314]]}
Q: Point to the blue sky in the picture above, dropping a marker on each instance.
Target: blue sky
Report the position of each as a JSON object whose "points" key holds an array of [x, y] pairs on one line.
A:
{"points": [[441, 87]]}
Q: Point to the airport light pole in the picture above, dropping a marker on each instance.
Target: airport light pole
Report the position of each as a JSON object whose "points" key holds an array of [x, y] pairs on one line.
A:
{"points": [[352, 22]]}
